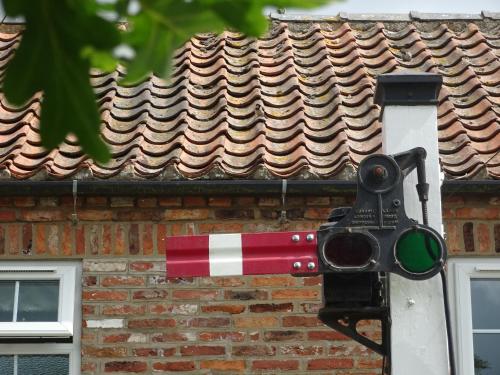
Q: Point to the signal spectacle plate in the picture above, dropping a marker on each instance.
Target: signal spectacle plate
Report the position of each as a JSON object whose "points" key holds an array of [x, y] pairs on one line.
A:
{"points": [[420, 250], [349, 251], [379, 173]]}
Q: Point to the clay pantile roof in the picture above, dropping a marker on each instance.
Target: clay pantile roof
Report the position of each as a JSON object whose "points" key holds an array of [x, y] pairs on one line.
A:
{"points": [[297, 103]]}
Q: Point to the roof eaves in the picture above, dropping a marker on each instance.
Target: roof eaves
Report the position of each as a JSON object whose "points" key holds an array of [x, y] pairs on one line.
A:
{"points": [[387, 17]]}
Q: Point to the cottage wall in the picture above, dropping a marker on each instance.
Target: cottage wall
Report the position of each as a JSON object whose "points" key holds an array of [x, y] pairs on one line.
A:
{"points": [[136, 320]]}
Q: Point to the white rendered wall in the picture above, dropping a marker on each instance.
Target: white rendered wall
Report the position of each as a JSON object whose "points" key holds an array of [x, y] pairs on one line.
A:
{"points": [[418, 332]]}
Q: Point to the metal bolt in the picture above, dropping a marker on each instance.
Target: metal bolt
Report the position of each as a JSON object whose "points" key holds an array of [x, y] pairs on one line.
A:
{"points": [[310, 237], [295, 238], [297, 265], [311, 265]]}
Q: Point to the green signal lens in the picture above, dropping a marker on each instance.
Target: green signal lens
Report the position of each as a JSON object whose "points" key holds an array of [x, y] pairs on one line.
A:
{"points": [[418, 251]]}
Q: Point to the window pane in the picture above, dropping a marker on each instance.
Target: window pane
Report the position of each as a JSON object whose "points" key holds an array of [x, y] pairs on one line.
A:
{"points": [[43, 364], [7, 289], [486, 358], [38, 301], [485, 303], [6, 364]]}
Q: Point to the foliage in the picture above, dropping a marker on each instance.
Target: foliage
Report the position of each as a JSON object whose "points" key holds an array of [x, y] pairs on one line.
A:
{"points": [[64, 38]]}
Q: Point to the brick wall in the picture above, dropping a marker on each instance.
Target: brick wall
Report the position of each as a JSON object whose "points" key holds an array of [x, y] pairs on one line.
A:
{"points": [[135, 320]]}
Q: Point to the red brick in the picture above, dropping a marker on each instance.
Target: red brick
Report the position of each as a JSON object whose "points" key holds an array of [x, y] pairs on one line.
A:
{"points": [[326, 335], [13, 242], [104, 352], [369, 363], [295, 294], [230, 309], [161, 238], [196, 350], [269, 202], [256, 322], [7, 215], [137, 215], [122, 202], [147, 202], [253, 350], [317, 213], [174, 366], [201, 294], [150, 294], [167, 337], [219, 202], [88, 310], [120, 233], [106, 239], [329, 364], [80, 239], [67, 239], [313, 280], [104, 295], [88, 367], [2, 240], [280, 281], [223, 365], [484, 238], [24, 201], [244, 201], [468, 233], [94, 232], [301, 321], [146, 352], [40, 245], [220, 228], [151, 323], [481, 213], [222, 336], [89, 281], [122, 337], [96, 201], [318, 201], [94, 215], [170, 202], [246, 295], [123, 309], [271, 307], [133, 239], [222, 281], [41, 215], [208, 322], [53, 239], [141, 266], [294, 350], [125, 366], [275, 365], [187, 214], [122, 280], [147, 238], [194, 201]]}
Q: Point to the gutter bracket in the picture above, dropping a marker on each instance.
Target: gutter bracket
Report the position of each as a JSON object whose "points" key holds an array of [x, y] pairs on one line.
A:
{"points": [[74, 216], [283, 220]]}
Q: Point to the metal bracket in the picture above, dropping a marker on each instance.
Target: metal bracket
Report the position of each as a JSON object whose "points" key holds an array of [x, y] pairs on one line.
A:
{"points": [[283, 218], [345, 320], [74, 216]]}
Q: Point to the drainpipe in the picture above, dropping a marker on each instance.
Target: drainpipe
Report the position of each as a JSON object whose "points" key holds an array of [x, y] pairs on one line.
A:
{"points": [[409, 119]]}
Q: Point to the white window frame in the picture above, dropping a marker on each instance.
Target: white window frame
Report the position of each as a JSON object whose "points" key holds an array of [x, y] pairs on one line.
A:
{"points": [[69, 314], [461, 271]]}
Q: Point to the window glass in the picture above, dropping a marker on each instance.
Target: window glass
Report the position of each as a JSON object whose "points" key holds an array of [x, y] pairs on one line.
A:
{"points": [[485, 300], [486, 353], [38, 301], [43, 364], [7, 289], [6, 364]]}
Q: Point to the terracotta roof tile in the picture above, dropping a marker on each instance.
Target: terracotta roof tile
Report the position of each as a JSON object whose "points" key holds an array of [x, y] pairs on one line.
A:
{"points": [[297, 103]]}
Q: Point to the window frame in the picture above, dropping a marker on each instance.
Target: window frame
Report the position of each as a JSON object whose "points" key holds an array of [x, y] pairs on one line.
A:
{"points": [[61, 337], [462, 270]]}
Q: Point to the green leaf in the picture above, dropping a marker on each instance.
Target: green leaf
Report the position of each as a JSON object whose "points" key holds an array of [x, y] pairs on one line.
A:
{"points": [[51, 59]]}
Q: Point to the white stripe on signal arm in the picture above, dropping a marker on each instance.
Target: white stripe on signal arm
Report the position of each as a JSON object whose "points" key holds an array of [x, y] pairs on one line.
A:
{"points": [[225, 254]]}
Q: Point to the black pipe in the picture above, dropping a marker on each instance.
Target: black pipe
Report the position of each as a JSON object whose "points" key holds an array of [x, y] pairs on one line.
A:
{"points": [[213, 187]]}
